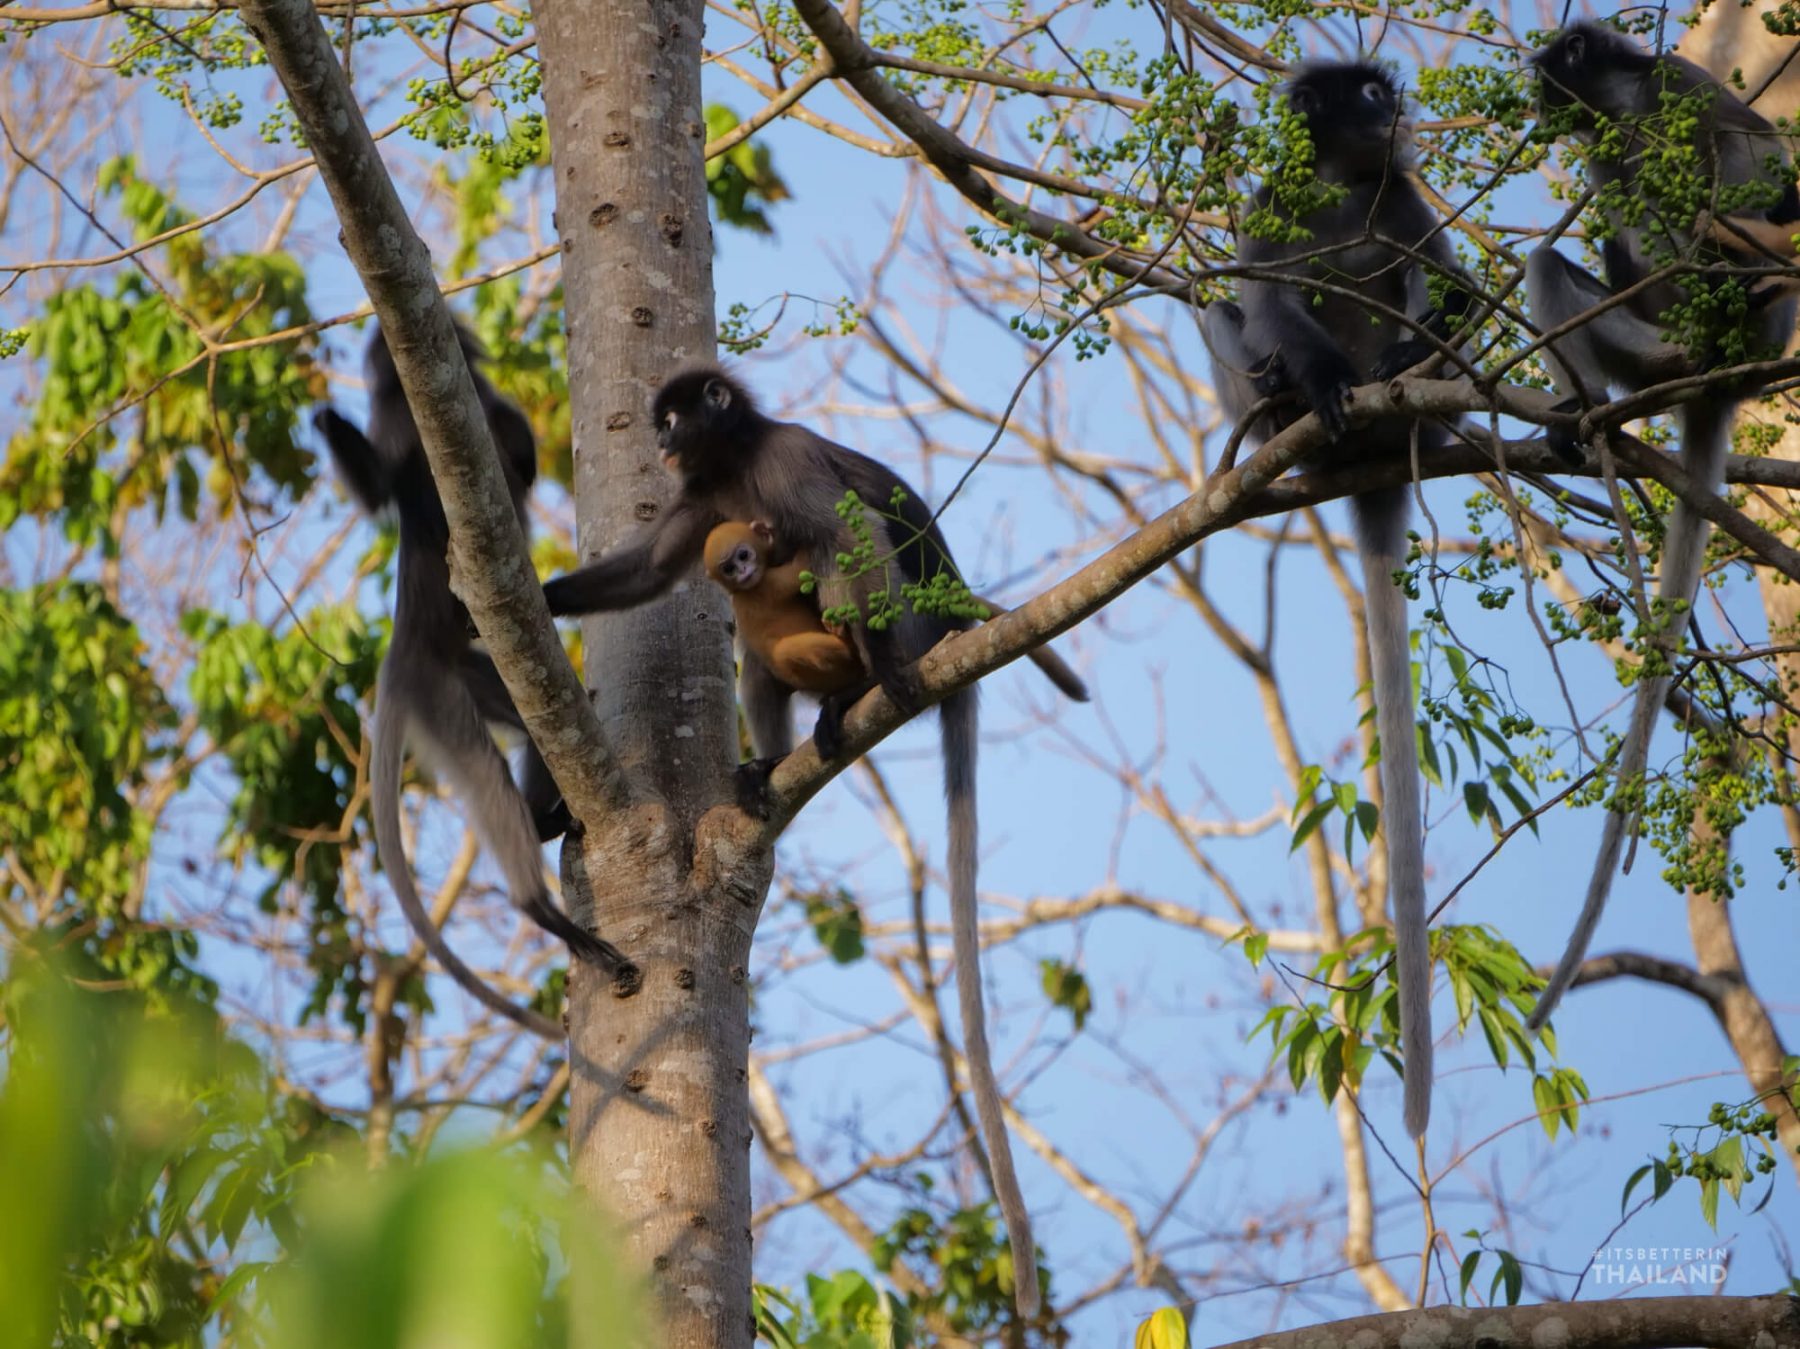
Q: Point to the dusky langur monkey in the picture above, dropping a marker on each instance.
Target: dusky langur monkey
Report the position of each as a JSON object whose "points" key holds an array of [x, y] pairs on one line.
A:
{"points": [[436, 688], [776, 621], [735, 464], [1372, 243], [1747, 204]]}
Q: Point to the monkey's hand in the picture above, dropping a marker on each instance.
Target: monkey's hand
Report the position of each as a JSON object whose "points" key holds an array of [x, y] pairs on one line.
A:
{"points": [[1270, 378], [553, 823], [751, 781], [1562, 439], [1325, 383], [1400, 357], [364, 470]]}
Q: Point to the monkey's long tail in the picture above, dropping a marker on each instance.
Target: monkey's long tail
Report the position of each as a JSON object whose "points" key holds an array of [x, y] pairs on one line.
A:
{"points": [[384, 793], [1705, 442], [958, 716], [1381, 543]]}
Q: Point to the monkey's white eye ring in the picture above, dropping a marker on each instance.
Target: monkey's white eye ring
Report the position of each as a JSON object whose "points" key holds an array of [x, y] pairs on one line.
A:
{"points": [[669, 419], [1375, 92]]}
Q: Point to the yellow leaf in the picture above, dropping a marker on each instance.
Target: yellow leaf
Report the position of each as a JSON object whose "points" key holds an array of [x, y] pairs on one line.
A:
{"points": [[1164, 1330]]}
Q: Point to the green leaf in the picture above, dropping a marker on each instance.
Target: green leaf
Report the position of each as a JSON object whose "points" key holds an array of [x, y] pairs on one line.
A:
{"points": [[837, 922], [239, 1278], [1475, 801], [1428, 758], [1067, 988], [1709, 1202], [1331, 1066], [1509, 1274], [1545, 1096], [1314, 818], [1304, 1043], [1467, 1273]]}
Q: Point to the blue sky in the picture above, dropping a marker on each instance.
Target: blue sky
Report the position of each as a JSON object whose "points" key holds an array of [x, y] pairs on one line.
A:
{"points": [[1168, 1002]]}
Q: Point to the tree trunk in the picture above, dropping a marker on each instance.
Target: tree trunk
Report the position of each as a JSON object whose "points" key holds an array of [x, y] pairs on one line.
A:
{"points": [[659, 1127]]}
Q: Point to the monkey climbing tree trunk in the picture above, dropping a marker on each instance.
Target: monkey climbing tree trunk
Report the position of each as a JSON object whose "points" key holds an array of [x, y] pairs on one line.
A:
{"points": [[659, 1130]]}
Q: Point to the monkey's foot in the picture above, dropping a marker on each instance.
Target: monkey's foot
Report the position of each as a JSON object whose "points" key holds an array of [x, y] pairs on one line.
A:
{"points": [[599, 951], [1329, 398], [752, 783], [902, 690], [1561, 437], [1400, 357], [581, 943], [828, 730]]}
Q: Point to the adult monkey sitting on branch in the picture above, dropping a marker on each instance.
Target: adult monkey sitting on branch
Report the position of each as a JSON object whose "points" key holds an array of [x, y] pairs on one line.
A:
{"points": [[1372, 242], [736, 464], [1628, 105]]}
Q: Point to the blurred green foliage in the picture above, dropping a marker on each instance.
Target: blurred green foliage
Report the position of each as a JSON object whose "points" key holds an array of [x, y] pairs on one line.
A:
{"points": [[160, 1190], [283, 710], [82, 719], [845, 1311], [962, 1256]]}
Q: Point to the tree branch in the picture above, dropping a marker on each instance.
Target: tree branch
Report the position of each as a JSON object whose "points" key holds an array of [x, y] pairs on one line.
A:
{"points": [[1243, 492], [859, 65], [1652, 969], [1625, 1323], [1668, 471], [493, 573]]}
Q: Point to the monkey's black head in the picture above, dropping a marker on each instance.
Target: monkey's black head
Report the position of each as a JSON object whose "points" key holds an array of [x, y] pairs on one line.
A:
{"points": [[705, 423], [1354, 114], [1591, 67]]}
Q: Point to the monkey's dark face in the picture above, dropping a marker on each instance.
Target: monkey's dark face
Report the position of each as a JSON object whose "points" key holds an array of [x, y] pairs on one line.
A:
{"points": [[700, 416], [1588, 66], [1354, 116]]}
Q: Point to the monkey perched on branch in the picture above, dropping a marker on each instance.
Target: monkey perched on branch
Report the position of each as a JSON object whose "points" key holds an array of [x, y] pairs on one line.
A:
{"points": [[1688, 301], [736, 464], [1352, 305]]}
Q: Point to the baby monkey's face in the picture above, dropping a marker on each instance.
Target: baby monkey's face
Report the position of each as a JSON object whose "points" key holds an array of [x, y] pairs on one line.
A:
{"points": [[737, 554], [741, 568]]}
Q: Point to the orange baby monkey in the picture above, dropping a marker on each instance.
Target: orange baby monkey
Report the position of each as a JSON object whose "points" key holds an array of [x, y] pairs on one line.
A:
{"points": [[774, 619]]}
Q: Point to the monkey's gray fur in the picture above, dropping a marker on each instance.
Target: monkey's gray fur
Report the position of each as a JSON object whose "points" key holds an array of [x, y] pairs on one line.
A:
{"points": [[436, 689], [1593, 70], [737, 464], [1322, 343]]}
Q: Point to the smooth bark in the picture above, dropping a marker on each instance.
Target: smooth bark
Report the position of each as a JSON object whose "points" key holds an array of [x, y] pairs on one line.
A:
{"points": [[659, 1129]]}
